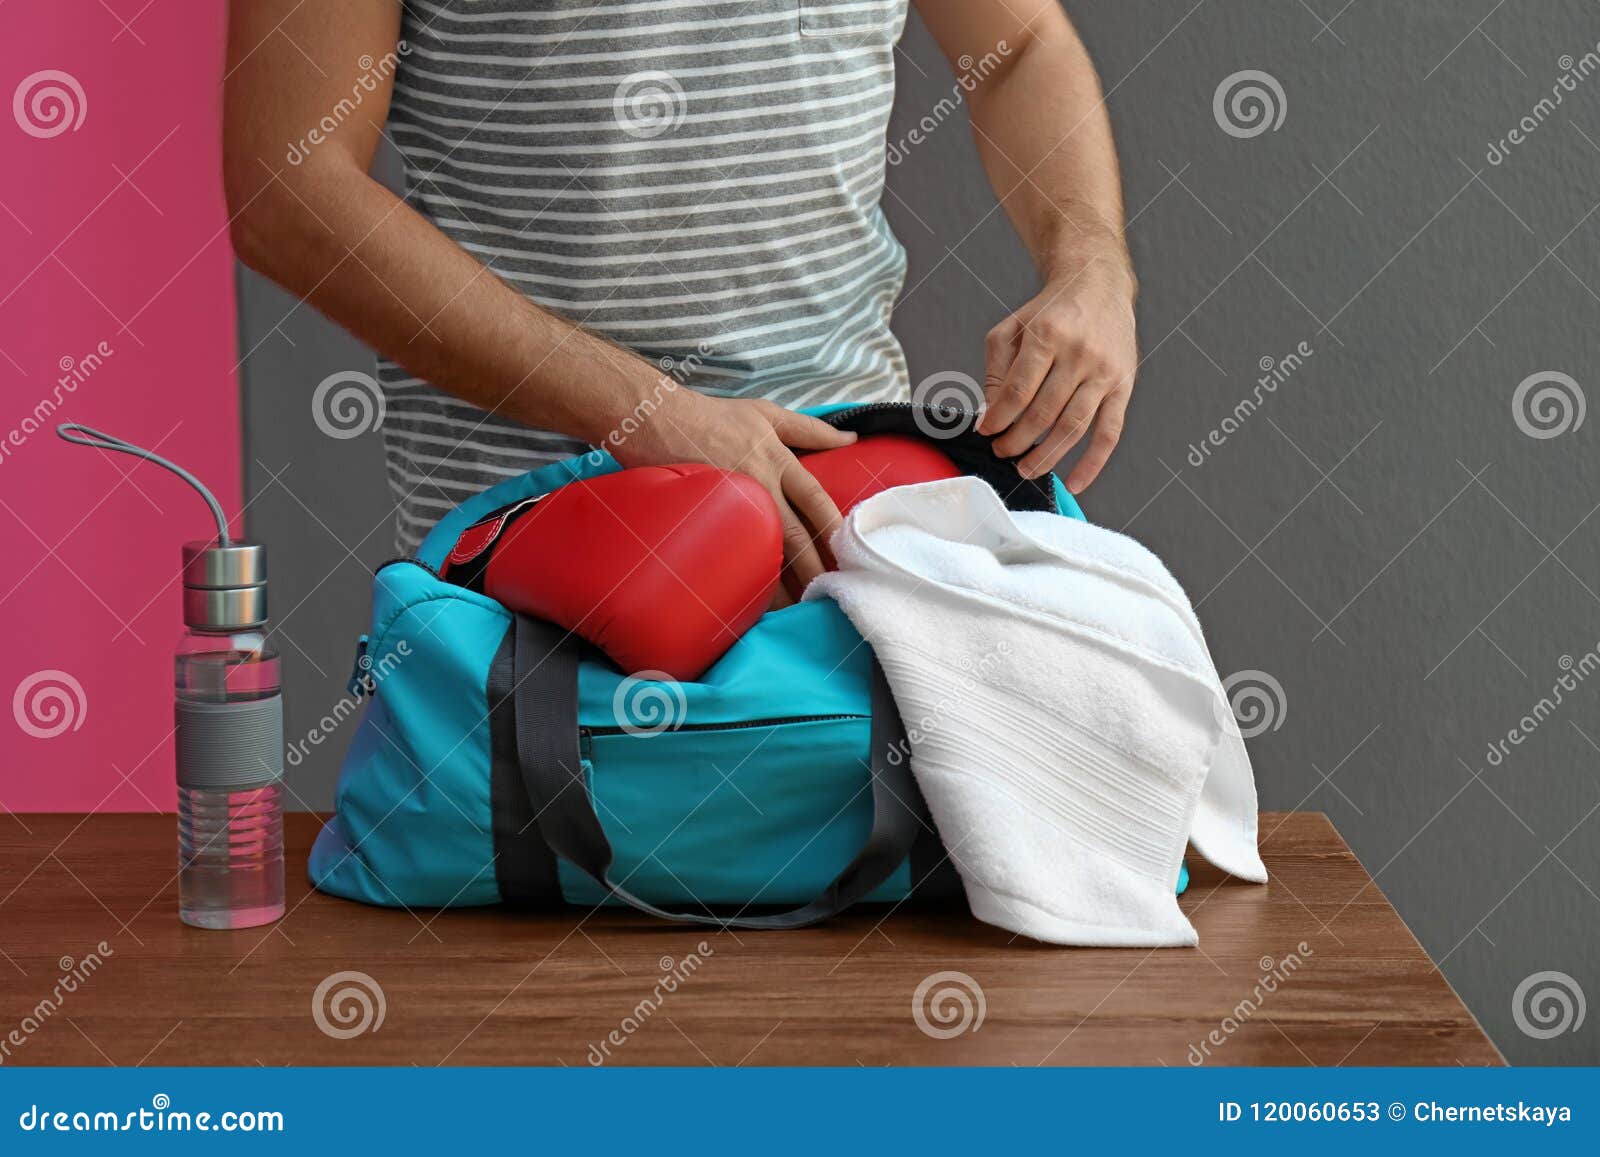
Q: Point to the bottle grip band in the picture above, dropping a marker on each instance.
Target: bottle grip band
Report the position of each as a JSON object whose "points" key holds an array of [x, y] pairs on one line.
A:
{"points": [[230, 746]]}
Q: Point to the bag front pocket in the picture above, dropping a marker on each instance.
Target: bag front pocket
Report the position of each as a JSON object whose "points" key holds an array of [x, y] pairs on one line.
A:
{"points": [[853, 23]]}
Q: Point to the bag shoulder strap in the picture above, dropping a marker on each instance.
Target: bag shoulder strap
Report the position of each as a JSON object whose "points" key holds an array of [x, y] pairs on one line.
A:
{"points": [[545, 694]]}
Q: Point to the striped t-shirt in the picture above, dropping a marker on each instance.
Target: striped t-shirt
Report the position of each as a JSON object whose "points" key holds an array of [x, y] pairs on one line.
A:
{"points": [[697, 180]]}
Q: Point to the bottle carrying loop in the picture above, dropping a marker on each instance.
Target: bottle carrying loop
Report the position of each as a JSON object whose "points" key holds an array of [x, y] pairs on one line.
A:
{"points": [[81, 435]]}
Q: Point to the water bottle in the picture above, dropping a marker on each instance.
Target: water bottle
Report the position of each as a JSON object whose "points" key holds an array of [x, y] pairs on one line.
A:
{"points": [[230, 742], [229, 713]]}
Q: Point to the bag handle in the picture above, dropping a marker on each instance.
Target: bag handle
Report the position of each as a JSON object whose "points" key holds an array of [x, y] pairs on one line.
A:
{"points": [[545, 697]]}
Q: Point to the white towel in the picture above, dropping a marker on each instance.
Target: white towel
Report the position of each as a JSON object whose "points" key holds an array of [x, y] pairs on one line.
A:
{"points": [[1066, 722]]}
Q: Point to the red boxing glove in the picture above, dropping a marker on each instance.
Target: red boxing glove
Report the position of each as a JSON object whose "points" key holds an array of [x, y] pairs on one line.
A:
{"points": [[661, 567], [875, 463]]}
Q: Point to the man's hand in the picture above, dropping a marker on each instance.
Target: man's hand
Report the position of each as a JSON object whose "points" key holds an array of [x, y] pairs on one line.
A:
{"points": [[753, 437], [1059, 366]]}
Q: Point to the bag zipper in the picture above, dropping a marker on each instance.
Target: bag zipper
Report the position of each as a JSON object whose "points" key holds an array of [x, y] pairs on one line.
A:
{"points": [[358, 677], [735, 725], [838, 416], [412, 561]]}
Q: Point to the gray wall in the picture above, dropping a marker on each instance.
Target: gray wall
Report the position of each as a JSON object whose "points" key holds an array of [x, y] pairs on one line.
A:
{"points": [[1380, 536]]}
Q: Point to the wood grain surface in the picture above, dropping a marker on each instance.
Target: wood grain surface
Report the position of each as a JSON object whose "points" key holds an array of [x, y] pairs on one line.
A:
{"points": [[1314, 968]]}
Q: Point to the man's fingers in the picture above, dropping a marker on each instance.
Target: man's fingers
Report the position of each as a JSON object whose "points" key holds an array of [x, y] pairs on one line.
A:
{"points": [[809, 516], [802, 562], [1069, 428], [999, 350], [1041, 413], [1005, 402], [811, 502], [803, 432], [1107, 432]]}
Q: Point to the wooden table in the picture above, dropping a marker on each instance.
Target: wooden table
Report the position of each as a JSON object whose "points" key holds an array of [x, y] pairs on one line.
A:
{"points": [[1315, 968]]}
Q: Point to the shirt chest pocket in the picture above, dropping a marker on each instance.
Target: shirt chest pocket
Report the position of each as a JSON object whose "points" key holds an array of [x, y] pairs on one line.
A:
{"points": [[852, 23]]}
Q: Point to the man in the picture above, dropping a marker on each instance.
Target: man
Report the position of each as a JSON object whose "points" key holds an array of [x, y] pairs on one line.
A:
{"points": [[607, 199]]}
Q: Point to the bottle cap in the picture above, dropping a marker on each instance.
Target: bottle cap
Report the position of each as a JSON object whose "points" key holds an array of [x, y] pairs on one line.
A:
{"points": [[224, 587]]}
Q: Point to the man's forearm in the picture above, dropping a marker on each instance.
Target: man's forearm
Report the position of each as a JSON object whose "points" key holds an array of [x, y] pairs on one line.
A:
{"points": [[1062, 364], [1045, 140], [330, 233]]}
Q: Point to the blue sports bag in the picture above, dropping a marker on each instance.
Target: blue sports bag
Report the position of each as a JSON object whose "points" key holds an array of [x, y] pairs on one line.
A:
{"points": [[503, 760]]}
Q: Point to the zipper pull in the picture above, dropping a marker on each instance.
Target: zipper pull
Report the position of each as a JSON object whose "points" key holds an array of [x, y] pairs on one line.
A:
{"points": [[360, 680]]}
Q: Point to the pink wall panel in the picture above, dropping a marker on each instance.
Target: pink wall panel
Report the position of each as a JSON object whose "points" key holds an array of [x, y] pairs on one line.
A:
{"points": [[116, 309]]}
